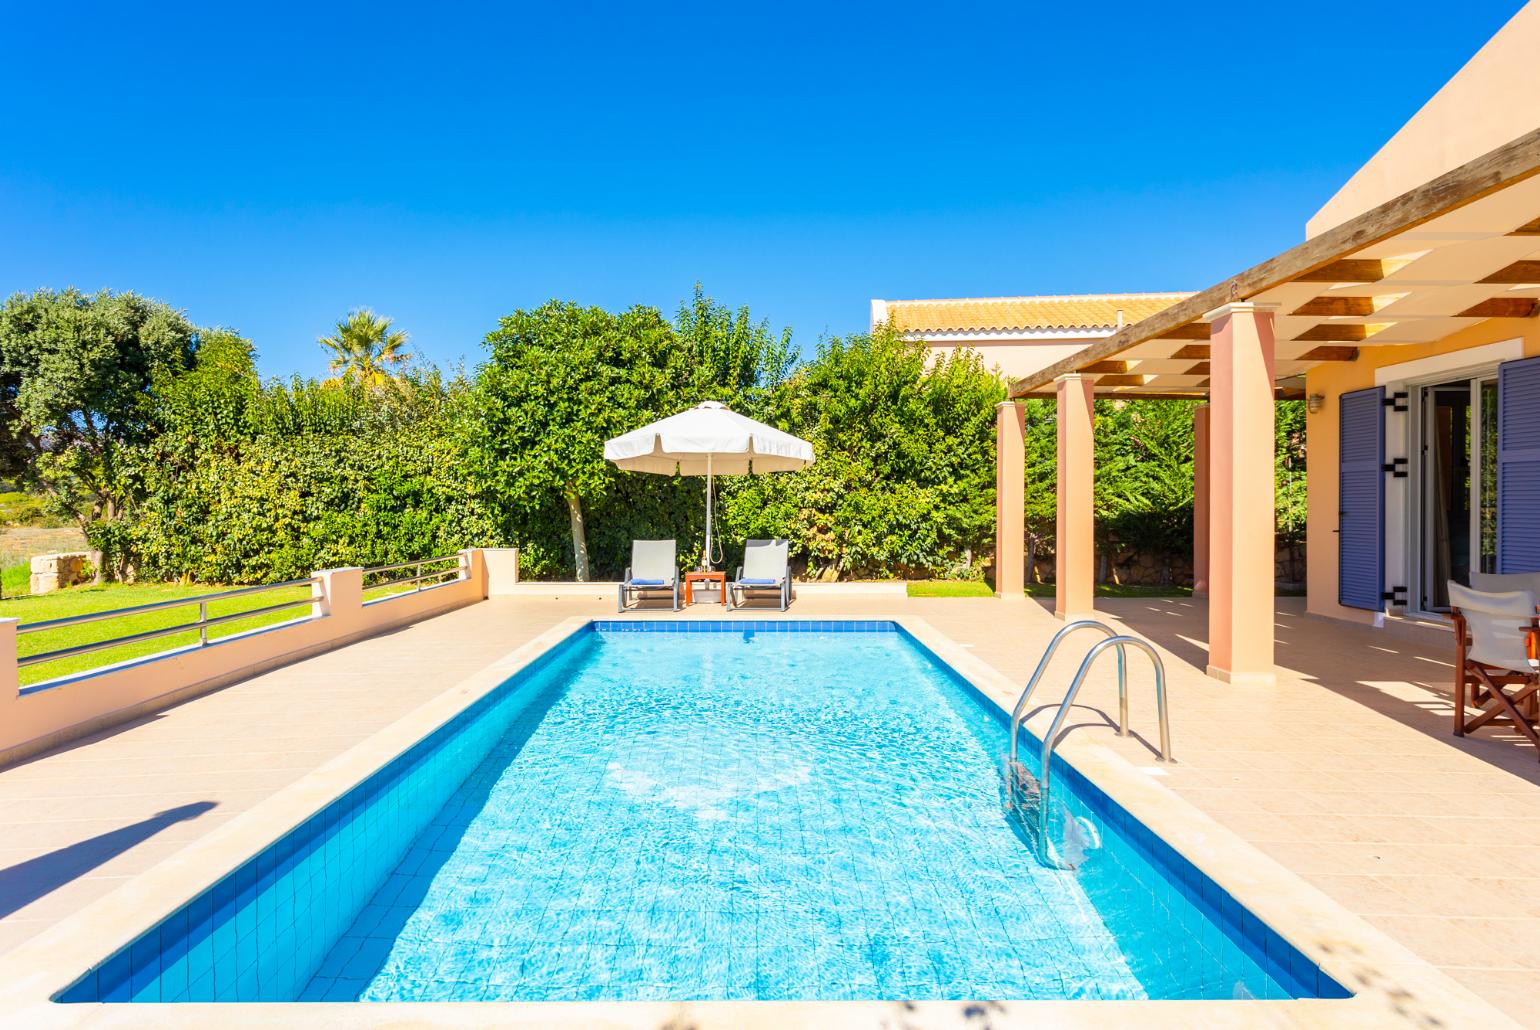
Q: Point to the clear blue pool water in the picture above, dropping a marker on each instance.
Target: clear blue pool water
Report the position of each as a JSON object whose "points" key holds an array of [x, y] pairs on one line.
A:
{"points": [[730, 814]]}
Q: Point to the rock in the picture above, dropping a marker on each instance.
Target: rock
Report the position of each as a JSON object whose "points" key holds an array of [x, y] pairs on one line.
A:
{"points": [[52, 572]]}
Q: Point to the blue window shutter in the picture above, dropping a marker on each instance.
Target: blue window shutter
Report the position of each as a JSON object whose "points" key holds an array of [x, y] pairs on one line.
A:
{"points": [[1518, 466], [1361, 500]]}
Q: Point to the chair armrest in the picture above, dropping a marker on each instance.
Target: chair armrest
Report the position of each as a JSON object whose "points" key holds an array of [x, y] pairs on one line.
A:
{"points": [[628, 575]]}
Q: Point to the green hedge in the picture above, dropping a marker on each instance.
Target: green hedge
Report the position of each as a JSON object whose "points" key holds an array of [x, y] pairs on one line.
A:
{"points": [[235, 480]]}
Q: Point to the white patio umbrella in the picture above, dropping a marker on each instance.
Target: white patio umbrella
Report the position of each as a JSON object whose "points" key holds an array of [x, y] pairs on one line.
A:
{"points": [[708, 440]]}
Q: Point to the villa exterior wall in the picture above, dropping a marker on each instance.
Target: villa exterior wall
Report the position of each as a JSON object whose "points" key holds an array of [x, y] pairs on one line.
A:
{"points": [[1331, 380], [41, 719], [1495, 98], [1014, 359]]}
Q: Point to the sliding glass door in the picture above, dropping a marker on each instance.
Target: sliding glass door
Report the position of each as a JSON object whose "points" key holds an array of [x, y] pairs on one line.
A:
{"points": [[1458, 486]]}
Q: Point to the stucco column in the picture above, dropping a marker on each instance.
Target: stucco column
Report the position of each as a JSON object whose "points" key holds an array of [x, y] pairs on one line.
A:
{"points": [[1241, 516], [10, 675], [340, 597], [1200, 489], [1075, 532], [502, 570], [1010, 501]]}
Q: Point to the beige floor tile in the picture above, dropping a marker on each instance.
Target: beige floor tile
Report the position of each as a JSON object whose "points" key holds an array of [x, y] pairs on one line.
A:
{"points": [[1345, 771]]}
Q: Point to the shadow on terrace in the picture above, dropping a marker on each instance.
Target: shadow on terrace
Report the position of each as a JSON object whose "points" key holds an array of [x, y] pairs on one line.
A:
{"points": [[1405, 677], [25, 882]]}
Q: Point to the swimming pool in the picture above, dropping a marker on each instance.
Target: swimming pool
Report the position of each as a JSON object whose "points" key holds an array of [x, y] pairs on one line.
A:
{"points": [[694, 810]]}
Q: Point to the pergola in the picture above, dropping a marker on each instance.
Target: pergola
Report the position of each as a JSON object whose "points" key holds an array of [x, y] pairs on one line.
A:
{"points": [[1460, 249]]}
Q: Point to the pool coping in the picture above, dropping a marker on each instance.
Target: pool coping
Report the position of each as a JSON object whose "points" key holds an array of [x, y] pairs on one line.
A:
{"points": [[1390, 983]]}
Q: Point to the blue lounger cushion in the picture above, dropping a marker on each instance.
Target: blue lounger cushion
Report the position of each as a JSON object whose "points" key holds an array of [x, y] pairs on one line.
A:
{"points": [[647, 582], [747, 582]]}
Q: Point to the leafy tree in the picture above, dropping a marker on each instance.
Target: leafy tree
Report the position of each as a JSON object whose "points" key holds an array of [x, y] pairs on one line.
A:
{"points": [[365, 349], [903, 483], [1144, 494], [75, 374], [1041, 509], [1290, 464], [560, 381], [733, 358], [1289, 476], [1144, 468]]}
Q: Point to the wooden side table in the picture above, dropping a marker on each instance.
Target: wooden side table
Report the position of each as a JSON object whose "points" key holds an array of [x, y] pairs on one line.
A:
{"points": [[692, 578]]}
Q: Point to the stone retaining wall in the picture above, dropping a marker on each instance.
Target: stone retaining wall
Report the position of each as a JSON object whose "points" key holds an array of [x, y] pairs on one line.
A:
{"points": [[52, 572]]}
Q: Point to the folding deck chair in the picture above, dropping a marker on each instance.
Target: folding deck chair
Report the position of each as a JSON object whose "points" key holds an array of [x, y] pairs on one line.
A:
{"points": [[1497, 661]]}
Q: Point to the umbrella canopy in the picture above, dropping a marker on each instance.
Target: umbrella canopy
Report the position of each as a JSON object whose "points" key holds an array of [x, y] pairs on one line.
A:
{"points": [[708, 439]]}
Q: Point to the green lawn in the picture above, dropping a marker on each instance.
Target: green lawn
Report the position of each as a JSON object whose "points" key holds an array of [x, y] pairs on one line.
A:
{"points": [[949, 588], [84, 600], [976, 588]]}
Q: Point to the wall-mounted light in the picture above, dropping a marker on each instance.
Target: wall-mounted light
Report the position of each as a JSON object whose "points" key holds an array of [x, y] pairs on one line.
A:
{"points": [[1315, 402]]}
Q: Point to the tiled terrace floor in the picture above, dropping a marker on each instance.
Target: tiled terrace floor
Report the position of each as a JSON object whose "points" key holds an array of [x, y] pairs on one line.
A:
{"points": [[1345, 772]]}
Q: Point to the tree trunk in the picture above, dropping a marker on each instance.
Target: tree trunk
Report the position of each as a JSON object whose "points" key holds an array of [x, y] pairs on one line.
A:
{"points": [[579, 536]]}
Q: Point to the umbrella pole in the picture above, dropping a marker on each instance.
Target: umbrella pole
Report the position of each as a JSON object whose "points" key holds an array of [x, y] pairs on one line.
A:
{"points": [[706, 564]]}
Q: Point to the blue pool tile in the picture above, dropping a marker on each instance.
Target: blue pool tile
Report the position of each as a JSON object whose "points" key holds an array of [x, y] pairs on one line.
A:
{"points": [[345, 908], [1303, 973], [115, 978], [144, 956]]}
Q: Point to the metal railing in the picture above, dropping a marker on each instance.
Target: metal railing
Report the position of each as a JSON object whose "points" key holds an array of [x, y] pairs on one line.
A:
{"points": [[1016, 773], [201, 624], [420, 581]]}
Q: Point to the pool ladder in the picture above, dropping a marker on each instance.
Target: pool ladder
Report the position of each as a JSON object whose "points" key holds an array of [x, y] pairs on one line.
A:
{"points": [[1018, 779]]}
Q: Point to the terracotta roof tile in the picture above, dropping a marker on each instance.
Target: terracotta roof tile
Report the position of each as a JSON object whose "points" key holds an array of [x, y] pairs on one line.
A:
{"points": [[1002, 314]]}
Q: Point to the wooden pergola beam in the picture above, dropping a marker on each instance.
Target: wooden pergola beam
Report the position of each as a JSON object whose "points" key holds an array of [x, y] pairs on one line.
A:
{"points": [[1337, 306], [1190, 331], [1518, 272], [1502, 307], [1281, 393], [1330, 354], [1349, 332], [1513, 162], [1346, 270]]}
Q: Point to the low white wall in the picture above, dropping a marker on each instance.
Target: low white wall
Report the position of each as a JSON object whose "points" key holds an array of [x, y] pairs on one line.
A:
{"points": [[52, 713]]}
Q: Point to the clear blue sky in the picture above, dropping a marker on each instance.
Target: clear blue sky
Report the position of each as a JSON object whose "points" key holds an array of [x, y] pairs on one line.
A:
{"points": [[269, 167]]}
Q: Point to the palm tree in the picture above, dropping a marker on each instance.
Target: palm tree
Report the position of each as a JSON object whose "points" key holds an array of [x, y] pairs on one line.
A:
{"points": [[366, 349]]}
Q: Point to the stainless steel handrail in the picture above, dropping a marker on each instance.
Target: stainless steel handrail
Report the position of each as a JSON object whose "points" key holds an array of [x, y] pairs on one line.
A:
{"points": [[457, 557], [1018, 714], [156, 606], [461, 570], [201, 624], [1045, 850]]}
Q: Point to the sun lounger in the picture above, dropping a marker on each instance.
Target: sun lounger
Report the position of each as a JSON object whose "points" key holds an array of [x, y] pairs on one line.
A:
{"points": [[654, 567], [766, 567]]}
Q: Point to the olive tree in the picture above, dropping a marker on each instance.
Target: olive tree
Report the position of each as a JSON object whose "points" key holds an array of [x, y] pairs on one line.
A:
{"points": [[75, 373]]}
